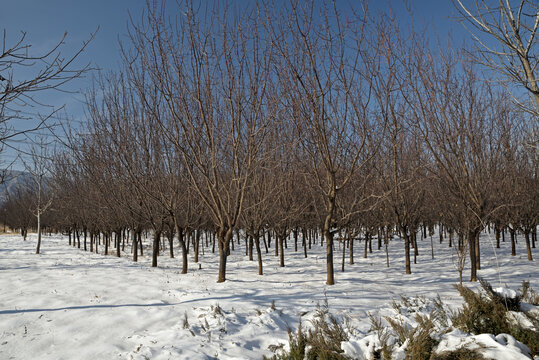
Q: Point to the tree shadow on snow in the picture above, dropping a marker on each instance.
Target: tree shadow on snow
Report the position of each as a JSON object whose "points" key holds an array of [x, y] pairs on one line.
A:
{"points": [[84, 307]]}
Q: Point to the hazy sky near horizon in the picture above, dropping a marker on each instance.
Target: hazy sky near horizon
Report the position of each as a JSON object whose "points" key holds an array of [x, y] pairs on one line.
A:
{"points": [[45, 22]]}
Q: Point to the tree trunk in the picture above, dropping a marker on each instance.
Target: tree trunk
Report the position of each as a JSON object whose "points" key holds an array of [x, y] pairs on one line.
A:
{"points": [[407, 261], [223, 238], [140, 243], [265, 243], [181, 240], [258, 253], [413, 236], [513, 242], [351, 244], [197, 246], [528, 245], [118, 242], [386, 243], [304, 243], [276, 245], [280, 238], [343, 253], [171, 243], [329, 258], [477, 251], [250, 246], [473, 262], [367, 235], [134, 241], [155, 247], [38, 231]]}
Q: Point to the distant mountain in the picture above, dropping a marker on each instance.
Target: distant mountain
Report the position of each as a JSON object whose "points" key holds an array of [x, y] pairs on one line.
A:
{"points": [[11, 179]]}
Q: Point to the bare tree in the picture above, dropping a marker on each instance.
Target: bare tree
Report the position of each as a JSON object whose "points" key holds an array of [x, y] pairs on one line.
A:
{"points": [[402, 169], [327, 95], [455, 113], [39, 169], [510, 45], [52, 71], [214, 77]]}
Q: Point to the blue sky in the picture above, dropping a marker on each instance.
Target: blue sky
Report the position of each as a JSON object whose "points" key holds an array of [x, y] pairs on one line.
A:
{"points": [[45, 22]]}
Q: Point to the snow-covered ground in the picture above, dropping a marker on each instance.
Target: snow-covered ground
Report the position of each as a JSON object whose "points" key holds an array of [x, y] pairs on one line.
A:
{"points": [[69, 304]]}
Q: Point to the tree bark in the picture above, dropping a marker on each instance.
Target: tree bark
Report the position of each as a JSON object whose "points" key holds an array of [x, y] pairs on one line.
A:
{"points": [[258, 253], [477, 251], [223, 238], [134, 241], [413, 236], [280, 238], [407, 261], [513, 242], [351, 244], [38, 231], [528, 245], [473, 262], [155, 247], [197, 246], [181, 240]]}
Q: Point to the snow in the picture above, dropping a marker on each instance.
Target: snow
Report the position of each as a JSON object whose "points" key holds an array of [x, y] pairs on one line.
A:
{"points": [[500, 347], [69, 304], [506, 293]]}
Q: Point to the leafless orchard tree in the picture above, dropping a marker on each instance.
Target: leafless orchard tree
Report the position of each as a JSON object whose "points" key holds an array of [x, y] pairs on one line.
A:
{"points": [[403, 167], [259, 207], [505, 34], [17, 209], [456, 114], [212, 68], [328, 95], [38, 166], [130, 142], [51, 70]]}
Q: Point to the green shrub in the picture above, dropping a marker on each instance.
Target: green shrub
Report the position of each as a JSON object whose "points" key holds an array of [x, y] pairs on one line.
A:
{"points": [[420, 344], [459, 354], [483, 312], [297, 346], [382, 332], [487, 313], [321, 342]]}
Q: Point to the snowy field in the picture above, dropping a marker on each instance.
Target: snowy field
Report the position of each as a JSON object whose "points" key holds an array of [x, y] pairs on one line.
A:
{"points": [[69, 304]]}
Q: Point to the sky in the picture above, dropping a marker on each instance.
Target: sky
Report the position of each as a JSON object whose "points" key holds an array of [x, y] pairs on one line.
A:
{"points": [[45, 22]]}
